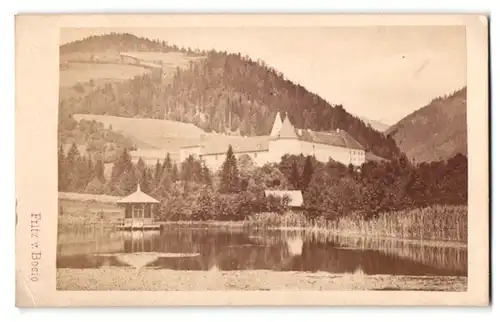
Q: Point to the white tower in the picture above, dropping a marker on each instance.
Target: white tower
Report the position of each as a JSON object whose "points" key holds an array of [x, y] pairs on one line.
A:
{"points": [[277, 125]]}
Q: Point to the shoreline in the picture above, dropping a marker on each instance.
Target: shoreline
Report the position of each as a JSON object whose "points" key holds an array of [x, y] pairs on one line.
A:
{"points": [[245, 225], [118, 278], [311, 230]]}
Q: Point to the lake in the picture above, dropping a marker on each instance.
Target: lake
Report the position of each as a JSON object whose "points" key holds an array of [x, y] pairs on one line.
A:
{"points": [[195, 249]]}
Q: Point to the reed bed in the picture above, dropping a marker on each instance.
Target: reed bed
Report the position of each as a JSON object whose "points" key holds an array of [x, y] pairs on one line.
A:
{"points": [[439, 223]]}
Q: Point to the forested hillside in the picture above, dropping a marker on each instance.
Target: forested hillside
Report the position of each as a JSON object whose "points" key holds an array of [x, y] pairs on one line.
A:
{"points": [[118, 42], [222, 92], [437, 131]]}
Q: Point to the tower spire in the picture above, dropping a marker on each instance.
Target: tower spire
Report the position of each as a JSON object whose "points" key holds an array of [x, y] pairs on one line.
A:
{"points": [[287, 129], [277, 125]]}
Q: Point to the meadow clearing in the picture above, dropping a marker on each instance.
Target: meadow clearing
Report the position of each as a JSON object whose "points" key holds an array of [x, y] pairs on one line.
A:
{"points": [[150, 134], [79, 68], [77, 73]]}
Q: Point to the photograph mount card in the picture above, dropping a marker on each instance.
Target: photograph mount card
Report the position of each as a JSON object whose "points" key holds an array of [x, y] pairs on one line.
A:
{"points": [[252, 160]]}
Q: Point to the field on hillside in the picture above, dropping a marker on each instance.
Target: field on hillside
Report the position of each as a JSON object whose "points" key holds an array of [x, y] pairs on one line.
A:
{"points": [[150, 133], [173, 59], [75, 73], [81, 67]]}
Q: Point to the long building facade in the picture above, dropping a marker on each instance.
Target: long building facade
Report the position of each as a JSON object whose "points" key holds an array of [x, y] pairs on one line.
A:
{"points": [[283, 139]]}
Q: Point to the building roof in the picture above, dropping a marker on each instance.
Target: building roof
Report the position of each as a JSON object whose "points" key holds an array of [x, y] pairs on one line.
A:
{"points": [[287, 130], [276, 125], [337, 138], [372, 157], [137, 197], [296, 199], [218, 144]]}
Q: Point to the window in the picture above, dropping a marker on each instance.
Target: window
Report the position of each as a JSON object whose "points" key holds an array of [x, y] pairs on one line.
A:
{"points": [[255, 154], [138, 211]]}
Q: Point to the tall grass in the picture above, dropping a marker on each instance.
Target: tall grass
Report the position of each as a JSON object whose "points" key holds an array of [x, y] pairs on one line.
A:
{"points": [[442, 223]]}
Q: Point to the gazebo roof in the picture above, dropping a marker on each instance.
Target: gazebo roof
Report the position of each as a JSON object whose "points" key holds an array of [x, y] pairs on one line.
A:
{"points": [[138, 197]]}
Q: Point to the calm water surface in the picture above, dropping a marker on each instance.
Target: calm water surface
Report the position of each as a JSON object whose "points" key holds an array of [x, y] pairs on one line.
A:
{"points": [[238, 249]]}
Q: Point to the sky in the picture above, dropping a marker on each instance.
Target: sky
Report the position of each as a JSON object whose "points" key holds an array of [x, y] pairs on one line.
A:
{"points": [[381, 73]]}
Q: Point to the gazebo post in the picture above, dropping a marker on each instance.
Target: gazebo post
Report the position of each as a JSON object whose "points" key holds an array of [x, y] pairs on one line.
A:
{"points": [[132, 221]]}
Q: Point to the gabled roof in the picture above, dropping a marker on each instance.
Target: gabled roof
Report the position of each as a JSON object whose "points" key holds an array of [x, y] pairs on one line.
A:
{"points": [[138, 197], [287, 130], [336, 138], [296, 199], [218, 144]]}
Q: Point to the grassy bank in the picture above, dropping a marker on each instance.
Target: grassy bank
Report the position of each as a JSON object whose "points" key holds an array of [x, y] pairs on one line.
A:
{"points": [[439, 223], [85, 209]]}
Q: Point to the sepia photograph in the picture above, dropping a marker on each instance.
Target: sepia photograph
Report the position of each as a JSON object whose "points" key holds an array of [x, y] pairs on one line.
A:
{"points": [[263, 158], [192, 166]]}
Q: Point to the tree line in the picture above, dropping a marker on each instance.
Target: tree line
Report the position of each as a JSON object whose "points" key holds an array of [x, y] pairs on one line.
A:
{"points": [[190, 191]]}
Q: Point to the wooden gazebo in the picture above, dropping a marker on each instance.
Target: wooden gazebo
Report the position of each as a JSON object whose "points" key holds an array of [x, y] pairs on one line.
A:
{"points": [[139, 211]]}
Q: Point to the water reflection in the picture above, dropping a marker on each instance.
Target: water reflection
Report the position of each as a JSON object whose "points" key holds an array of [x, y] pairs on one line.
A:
{"points": [[176, 248]]}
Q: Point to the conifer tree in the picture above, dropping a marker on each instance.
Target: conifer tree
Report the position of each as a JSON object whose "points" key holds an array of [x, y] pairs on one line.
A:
{"points": [[295, 176], [164, 184], [123, 176], [82, 174], [175, 173], [72, 167], [127, 183], [206, 175], [307, 173], [98, 171], [158, 173], [146, 180], [95, 187], [197, 168], [121, 164], [140, 167], [62, 181], [167, 163], [229, 179], [187, 169]]}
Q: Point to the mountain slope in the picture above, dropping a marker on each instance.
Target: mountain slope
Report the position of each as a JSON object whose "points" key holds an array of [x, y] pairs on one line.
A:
{"points": [[379, 126], [220, 93], [436, 131]]}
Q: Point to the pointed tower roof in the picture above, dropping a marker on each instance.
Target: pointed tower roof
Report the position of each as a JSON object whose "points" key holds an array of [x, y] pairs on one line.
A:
{"points": [[287, 130], [276, 125], [138, 197]]}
